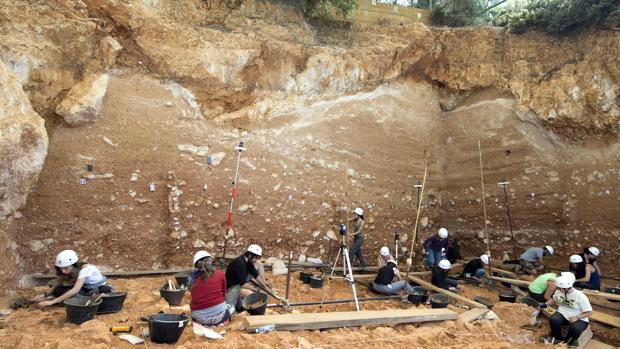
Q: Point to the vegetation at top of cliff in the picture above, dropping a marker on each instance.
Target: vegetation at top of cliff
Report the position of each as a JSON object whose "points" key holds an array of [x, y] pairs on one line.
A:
{"points": [[551, 16], [326, 8], [559, 16]]}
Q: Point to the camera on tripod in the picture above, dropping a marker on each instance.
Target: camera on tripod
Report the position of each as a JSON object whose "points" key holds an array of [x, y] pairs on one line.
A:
{"points": [[396, 235], [343, 229]]}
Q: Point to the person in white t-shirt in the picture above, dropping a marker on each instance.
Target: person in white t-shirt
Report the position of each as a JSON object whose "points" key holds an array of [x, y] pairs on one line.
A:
{"points": [[573, 310], [88, 279]]}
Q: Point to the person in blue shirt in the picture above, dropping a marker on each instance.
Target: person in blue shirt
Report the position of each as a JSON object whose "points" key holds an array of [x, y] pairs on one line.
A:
{"points": [[435, 248]]}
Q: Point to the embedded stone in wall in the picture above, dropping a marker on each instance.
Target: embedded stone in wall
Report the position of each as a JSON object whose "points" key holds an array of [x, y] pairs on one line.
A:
{"points": [[83, 103]]}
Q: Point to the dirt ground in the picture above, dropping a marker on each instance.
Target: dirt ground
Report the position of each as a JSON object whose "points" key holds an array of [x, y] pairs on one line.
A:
{"points": [[31, 328]]}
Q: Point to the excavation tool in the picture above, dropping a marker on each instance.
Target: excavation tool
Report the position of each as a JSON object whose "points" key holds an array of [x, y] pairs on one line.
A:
{"points": [[504, 184], [484, 209], [240, 149], [415, 227], [269, 292], [288, 276], [347, 270]]}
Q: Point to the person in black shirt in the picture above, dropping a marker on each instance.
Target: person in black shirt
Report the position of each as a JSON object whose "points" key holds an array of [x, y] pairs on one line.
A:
{"points": [[389, 280], [239, 272], [475, 267], [440, 276]]}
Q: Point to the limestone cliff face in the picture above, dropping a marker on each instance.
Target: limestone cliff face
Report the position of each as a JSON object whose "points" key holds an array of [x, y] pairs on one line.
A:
{"points": [[23, 144], [178, 69]]}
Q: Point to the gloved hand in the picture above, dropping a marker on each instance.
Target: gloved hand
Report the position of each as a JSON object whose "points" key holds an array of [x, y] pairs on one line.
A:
{"points": [[542, 305], [453, 289]]}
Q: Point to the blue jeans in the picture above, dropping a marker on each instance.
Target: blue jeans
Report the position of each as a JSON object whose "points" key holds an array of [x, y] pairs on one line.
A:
{"points": [[392, 288], [479, 273], [431, 258], [358, 240]]}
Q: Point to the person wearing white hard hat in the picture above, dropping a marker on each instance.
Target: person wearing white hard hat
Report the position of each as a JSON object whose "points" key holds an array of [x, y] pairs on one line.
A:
{"points": [[389, 279], [358, 236], [475, 267], [543, 287], [384, 257], [208, 288], [440, 276], [574, 308], [88, 279], [532, 259], [435, 248], [239, 272], [590, 255], [585, 274]]}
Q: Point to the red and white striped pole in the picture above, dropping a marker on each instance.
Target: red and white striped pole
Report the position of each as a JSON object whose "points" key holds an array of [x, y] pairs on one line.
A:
{"points": [[240, 148]]}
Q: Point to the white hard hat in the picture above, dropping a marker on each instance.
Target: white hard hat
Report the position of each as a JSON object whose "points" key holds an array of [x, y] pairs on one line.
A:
{"points": [[390, 261], [254, 248], [384, 251], [563, 282], [568, 275], [595, 251], [66, 258], [443, 233], [485, 259], [359, 211], [550, 249], [445, 264], [200, 255], [575, 259]]}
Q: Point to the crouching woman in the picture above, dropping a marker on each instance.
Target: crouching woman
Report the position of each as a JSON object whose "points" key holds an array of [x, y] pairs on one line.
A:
{"points": [[208, 288], [74, 277]]}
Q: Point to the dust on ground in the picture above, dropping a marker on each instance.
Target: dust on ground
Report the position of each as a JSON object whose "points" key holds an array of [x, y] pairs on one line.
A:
{"points": [[30, 328]]}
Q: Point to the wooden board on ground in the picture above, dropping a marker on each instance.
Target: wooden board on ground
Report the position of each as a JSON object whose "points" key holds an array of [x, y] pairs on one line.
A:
{"points": [[372, 276], [473, 314], [594, 344], [596, 316], [427, 285], [315, 321]]}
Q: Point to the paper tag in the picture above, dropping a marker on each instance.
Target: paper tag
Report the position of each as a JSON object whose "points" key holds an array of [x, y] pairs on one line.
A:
{"points": [[180, 323]]}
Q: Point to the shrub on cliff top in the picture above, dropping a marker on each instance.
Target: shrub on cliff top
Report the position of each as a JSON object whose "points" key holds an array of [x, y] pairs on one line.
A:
{"points": [[459, 13], [560, 16], [327, 8]]}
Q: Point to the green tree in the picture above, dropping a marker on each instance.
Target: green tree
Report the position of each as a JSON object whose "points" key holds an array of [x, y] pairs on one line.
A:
{"points": [[326, 8], [458, 13]]}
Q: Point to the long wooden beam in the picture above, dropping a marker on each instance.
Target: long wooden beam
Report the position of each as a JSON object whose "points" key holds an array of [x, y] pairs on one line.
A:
{"points": [[315, 321], [427, 285], [473, 314]]}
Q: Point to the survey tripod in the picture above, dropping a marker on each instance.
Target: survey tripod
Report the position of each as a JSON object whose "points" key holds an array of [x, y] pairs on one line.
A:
{"points": [[347, 269]]}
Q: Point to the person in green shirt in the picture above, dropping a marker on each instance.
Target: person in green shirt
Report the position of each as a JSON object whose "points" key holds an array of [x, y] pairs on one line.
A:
{"points": [[542, 288]]}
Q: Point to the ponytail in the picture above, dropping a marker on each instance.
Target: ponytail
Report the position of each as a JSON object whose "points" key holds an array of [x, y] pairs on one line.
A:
{"points": [[205, 268]]}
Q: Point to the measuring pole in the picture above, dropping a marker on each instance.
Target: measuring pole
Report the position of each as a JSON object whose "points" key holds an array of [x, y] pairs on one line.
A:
{"points": [[418, 187], [484, 207], [240, 148], [504, 184], [415, 227]]}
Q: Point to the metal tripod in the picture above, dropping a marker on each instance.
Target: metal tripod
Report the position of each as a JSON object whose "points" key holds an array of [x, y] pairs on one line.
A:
{"points": [[347, 269]]}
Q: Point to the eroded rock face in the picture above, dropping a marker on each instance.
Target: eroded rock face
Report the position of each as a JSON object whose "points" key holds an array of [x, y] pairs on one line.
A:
{"points": [[83, 103], [23, 144]]}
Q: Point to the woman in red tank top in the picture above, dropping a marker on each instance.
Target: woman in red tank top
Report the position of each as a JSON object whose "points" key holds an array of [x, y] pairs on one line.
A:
{"points": [[208, 288]]}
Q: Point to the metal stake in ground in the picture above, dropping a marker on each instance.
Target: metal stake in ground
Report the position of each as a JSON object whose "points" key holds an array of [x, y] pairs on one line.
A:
{"points": [[504, 184], [240, 148]]}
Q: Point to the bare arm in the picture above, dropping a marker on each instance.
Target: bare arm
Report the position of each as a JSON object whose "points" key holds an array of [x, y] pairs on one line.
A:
{"points": [[586, 277], [550, 289], [397, 274], [597, 268], [72, 292]]}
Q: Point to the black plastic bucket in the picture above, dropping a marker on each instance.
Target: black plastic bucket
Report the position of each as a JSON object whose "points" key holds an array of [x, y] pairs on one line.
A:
{"points": [[614, 290], [316, 281], [167, 328], [305, 277], [173, 297], [256, 303], [439, 300], [78, 312], [181, 277], [112, 302], [418, 295], [507, 297]]}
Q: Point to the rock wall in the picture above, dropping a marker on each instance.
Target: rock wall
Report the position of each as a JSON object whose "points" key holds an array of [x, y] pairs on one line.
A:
{"points": [[546, 110]]}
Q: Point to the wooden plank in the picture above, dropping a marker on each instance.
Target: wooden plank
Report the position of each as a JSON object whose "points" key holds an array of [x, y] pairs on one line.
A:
{"points": [[584, 337], [473, 314], [594, 344], [429, 286], [314, 321], [372, 276], [596, 316]]}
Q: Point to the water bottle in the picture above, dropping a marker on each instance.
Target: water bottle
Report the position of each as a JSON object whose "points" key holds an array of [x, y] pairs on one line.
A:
{"points": [[266, 328]]}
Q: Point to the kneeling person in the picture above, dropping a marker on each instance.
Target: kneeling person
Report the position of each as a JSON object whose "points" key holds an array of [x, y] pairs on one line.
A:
{"points": [[440, 276], [573, 310], [389, 280], [88, 280], [208, 288], [475, 267], [239, 272]]}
